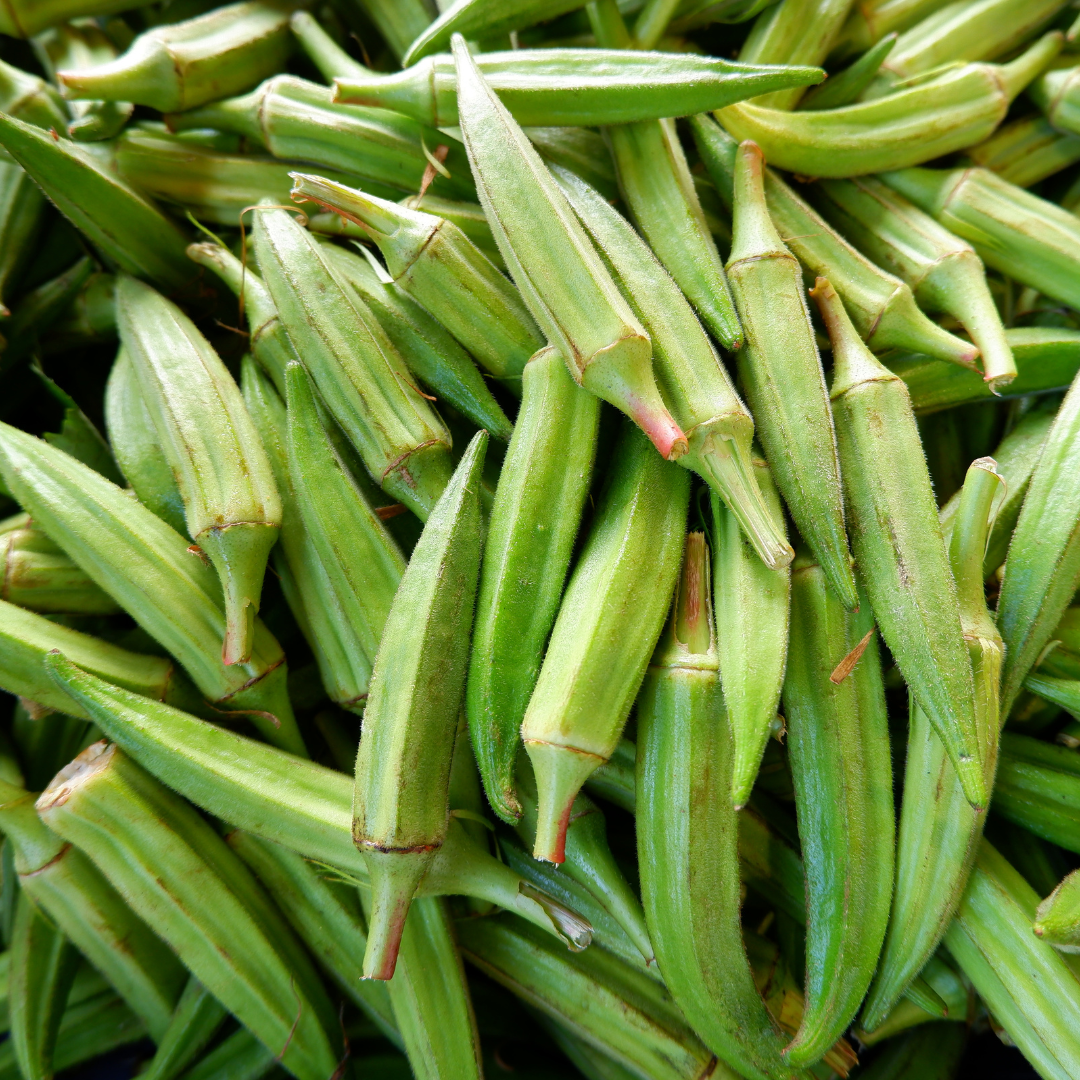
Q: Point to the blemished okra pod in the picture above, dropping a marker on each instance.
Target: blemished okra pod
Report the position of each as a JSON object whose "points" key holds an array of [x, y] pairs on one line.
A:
{"points": [[951, 991], [231, 504], [684, 808], [692, 379], [534, 521], [147, 568], [37, 575], [1063, 692], [1031, 990], [1057, 918], [898, 542], [403, 766], [881, 306], [575, 87], [838, 743], [25, 18], [179, 875], [240, 1056], [31, 99], [1027, 151], [432, 260], [939, 832], [185, 64], [943, 271], [780, 371], [611, 616], [551, 259], [195, 1021], [950, 111], [1039, 788], [360, 375]]}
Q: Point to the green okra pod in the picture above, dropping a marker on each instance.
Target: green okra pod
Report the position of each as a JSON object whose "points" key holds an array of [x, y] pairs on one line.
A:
{"points": [[1026, 151], [939, 832], [401, 811], [231, 503], [933, 1053], [195, 1021], [1057, 918], [180, 876], [898, 543], [534, 521], [881, 306], [934, 116], [780, 370], [433, 261], [581, 150], [838, 743], [1063, 692], [611, 616], [322, 50], [848, 85], [147, 568], [1031, 990], [360, 375], [1039, 788], [691, 376], [561, 278], [685, 754], [943, 271], [22, 211], [185, 64], [575, 87]]}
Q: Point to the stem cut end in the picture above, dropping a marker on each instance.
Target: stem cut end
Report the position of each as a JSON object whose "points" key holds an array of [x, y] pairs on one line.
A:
{"points": [[560, 772], [395, 877]]}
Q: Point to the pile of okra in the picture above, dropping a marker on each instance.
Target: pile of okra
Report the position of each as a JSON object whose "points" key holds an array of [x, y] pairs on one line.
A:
{"points": [[539, 524]]}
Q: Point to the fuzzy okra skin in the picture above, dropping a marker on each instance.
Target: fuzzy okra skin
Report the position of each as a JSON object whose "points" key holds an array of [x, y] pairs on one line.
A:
{"points": [[401, 809], [1039, 789], [534, 521], [231, 503], [898, 543], [1057, 919], [22, 211], [688, 835], [552, 261], [838, 741], [1026, 151], [611, 616], [780, 370]]}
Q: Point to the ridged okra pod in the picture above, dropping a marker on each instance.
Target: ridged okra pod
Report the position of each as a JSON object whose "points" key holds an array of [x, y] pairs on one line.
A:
{"points": [[869, 22], [534, 521], [1026, 151], [1031, 990], [22, 210], [881, 306], [838, 744], [37, 575], [898, 543], [401, 811], [955, 109], [556, 87], [939, 832], [231, 504], [359, 373], [1042, 568], [780, 370], [185, 64], [752, 604], [31, 99], [1057, 94], [611, 616], [943, 271], [180, 876], [146, 567], [1039, 789], [71, 891], [195, 1021], [1057, 918], [692, 379], [848, 85], [552, 261], [688, 835]]}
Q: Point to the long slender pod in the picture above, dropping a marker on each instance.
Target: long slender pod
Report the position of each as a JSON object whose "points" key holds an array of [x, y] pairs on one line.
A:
{"points": [[195, 1021]]}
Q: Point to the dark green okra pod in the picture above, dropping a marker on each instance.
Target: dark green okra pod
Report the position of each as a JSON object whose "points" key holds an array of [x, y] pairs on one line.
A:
{"points": [[898, 543], [1057, 919], [688, 835], [1039, 788], [780, 370], [195, 1021]]}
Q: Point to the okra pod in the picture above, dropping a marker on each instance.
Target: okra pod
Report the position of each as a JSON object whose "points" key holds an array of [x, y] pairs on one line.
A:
{"points": [[1057, 918], [1063, 692], [322, 50], [848, 85], [581, 150], [869, 22], [599, 651], [22, 210], [898, 543], [241, 1056], [780, 370], [947, 992], [933, 1052], [1026, 151], [195, 1021], [1039, 788]]}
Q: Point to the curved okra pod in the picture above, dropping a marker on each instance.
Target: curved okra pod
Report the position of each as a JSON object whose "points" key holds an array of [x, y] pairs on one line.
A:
{"points": [[684, 809], [147, 568], [231, 504], [185, 64], [31, 99], [898, 542], [692, 379], [934, 116], [611, 616], [534, 521], [780, 370], [574, 87], [359, 373], [561, 278], [939, 832], [838, 743], [1027, 151], [401, 813], [943, 271], [1057, 918], [947, 998], [195, 1021], [1039, 789], [752, 604]]}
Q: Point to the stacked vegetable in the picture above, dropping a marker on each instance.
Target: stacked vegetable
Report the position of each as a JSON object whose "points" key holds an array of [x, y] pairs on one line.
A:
{"points": [[481, 380]]}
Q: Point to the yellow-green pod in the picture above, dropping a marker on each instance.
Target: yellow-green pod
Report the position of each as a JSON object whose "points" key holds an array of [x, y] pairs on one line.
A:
{"points": [[872, 20], [1026, 151], [36, 574]]}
